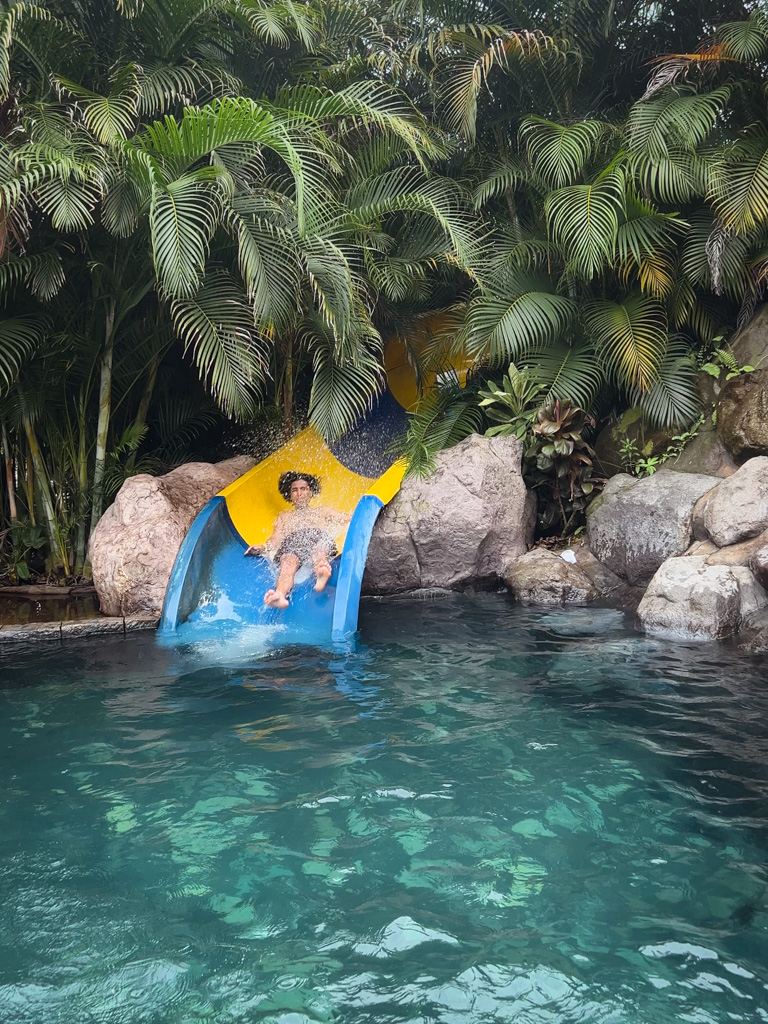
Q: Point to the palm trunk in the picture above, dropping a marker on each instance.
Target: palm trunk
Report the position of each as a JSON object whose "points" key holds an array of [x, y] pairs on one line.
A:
{"points": [[146, 398], [10, 486], [82, 478], [105, 408], [29, 490], [59, 559]]}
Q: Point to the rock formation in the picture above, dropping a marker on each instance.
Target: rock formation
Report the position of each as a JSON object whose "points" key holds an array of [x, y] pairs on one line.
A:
{"points": [[688, 598], [737, 509], [134, 545], [742, 415], [636, 524], [465, 523]]}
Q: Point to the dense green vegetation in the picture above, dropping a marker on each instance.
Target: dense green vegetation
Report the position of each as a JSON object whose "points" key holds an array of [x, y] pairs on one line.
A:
{"points": [[218, 208]]}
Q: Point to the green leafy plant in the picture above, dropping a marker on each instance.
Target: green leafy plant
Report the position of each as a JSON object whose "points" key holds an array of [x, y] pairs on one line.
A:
{"points": [[27, 539], [722, 361], [643, 462], [559, 465], [512, 405]]}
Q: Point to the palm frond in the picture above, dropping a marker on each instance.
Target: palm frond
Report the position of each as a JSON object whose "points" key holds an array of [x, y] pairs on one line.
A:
{"points": [[344, 386], [218, 329], [630, 338], [559, 153], [182, 219], [502, 329], [584, 222], [568, 371], [739, 190], [673, 397], [446, 415], [19, 337]]}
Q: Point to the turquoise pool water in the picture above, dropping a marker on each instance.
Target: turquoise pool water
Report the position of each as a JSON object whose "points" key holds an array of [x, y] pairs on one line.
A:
{"points": [[479, 814]]}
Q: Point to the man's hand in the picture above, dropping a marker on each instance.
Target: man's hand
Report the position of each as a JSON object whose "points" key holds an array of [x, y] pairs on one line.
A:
{"points": [[255, 549]]}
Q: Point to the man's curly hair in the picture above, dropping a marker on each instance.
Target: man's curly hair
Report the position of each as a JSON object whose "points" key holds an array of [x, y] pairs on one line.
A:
{"points": [[289, 478]]}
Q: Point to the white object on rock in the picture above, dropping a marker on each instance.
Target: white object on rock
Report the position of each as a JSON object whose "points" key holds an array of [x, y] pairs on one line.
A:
{"points": [[134, 545], [738, 509], [543, 578], [466, 522], [689, 599], [569, 556], [635, 525]]}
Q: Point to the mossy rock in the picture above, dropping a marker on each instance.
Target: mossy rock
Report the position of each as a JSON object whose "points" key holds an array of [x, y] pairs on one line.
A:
{"points": [[608, 460]]}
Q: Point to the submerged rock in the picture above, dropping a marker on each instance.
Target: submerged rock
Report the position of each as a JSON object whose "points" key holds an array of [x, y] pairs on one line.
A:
{"points": [[465, 523], [738, 509], [135, 543], [635, 525], [690, 599]]}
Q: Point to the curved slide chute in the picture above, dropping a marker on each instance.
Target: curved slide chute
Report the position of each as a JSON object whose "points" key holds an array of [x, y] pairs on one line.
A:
{"points": [[212, 581]]}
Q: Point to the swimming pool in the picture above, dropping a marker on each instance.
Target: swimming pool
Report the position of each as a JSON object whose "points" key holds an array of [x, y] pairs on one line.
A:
{"points": [[478, 813]]}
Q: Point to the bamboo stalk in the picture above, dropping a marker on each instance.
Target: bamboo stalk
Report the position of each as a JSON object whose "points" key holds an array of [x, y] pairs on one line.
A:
{"points": [[59, 557], [82, 474], [9, 482], [146, 398], [105, 408]]}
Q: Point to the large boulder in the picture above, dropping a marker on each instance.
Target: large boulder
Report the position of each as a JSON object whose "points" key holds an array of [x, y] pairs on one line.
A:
{"points": [[635, 525], [465, 523], [738, 509], [543, 578], [750, 345], [690, 599], [135, 543], [705, 453], [742, 415]]}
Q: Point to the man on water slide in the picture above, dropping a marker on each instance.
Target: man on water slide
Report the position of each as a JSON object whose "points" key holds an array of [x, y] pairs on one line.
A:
{"points": [[303, 534]]}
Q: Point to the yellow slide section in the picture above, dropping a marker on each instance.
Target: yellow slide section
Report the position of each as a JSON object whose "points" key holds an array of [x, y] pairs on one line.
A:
{"points": [[253, 500]]}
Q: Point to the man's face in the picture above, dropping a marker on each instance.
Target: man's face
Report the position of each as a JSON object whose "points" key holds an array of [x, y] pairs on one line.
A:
{"points": [[301, 493]]}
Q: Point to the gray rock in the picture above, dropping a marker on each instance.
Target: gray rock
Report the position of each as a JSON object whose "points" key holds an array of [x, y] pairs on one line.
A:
{"points": [[758, 563], [738, 509], [689, 599], [757, 642], [78, 628], [750, 345], [465, 523], [742, 415], [541, 577], [31, 631], [636, 524], [133, 548], [706, 454], [738, 554]]}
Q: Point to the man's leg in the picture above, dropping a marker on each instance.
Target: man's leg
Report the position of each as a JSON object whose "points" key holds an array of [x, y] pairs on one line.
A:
{"points": [[321, 566], [278, 597]]}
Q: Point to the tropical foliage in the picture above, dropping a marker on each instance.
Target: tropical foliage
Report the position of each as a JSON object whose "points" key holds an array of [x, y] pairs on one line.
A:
{"points": [[214, 208]]}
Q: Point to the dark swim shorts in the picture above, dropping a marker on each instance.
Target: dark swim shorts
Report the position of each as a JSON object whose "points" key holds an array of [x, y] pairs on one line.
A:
{"points": [[301, 543]]}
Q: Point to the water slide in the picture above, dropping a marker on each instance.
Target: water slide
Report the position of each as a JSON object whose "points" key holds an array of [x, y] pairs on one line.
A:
{"points": [[212, 583]]}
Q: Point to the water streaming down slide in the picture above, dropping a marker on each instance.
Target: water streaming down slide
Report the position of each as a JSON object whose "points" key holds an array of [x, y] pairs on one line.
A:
{"points": [[213, 585]]}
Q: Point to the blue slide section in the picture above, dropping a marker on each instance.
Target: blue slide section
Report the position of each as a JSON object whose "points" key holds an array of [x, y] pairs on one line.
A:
{"points": [[213, 585]]}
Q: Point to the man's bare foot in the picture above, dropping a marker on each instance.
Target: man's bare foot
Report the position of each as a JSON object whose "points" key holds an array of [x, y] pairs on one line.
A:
{"points": [[274, 599], [254, 550], [323, 572]]}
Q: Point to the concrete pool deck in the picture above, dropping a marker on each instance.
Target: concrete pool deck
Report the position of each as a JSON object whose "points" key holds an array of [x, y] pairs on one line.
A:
{"points": [[97, 625]]}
